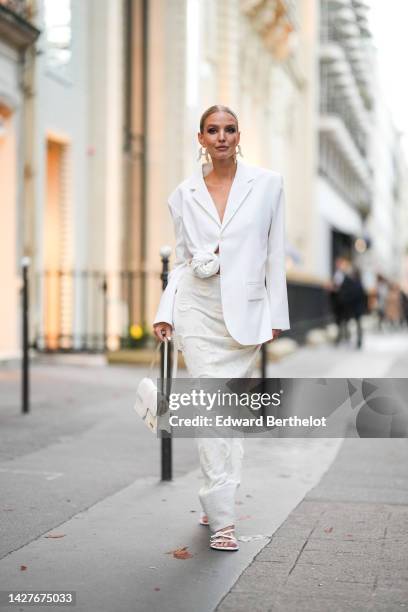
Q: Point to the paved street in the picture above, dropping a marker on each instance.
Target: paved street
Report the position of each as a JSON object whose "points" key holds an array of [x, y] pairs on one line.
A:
{"points": [[383, 355], [345, 546], [82, 467]]}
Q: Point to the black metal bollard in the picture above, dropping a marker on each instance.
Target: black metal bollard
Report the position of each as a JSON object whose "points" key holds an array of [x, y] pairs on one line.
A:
{"points": [[263, 360], [25, 374], [104, 288], [166, 439]]}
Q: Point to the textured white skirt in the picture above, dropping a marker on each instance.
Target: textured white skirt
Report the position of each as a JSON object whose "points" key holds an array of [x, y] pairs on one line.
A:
{"points": [[201, 334], [209, 351]]}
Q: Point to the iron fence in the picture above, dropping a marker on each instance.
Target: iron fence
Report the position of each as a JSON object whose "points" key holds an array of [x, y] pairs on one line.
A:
{"points": [[90, 311], [96, 311], [309, 308]]}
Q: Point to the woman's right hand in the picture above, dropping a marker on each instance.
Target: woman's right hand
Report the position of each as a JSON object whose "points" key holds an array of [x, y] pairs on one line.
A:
{"points": [[162, 331]]}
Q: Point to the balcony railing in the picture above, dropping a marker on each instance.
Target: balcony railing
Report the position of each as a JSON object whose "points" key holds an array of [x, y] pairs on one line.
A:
{"points": [[329, 32], [341, 175], [336, 105]]}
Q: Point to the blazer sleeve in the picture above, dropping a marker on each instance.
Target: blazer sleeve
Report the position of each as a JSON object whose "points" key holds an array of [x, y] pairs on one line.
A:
{"points": [[164, 312], [276, 266]]}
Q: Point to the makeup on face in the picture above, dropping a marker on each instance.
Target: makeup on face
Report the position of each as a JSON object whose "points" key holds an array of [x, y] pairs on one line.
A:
{"points": [[211, 129]]}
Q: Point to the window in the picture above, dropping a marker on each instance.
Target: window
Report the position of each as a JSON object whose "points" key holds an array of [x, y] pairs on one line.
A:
{"points": [[57, 21]]}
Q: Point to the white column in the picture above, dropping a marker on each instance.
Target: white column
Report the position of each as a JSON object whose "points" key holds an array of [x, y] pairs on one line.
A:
{"points": [[166, 131]]}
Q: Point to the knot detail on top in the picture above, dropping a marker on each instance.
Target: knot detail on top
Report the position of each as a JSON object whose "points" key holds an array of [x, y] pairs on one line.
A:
{"points": [[205, 264]]}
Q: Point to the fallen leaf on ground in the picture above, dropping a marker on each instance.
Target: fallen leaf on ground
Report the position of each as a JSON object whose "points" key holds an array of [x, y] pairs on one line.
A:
{"points": [[23, 567], [328, 529], [180, 553], [170, 552], [157, 588], [244, 518]]}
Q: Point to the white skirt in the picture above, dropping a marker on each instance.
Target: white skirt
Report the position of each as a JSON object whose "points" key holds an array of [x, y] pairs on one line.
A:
{"points": [[210, 352], [201, 334]]}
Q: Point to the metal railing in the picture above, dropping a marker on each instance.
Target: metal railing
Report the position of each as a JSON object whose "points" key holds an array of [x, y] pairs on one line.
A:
{"points": [[341, 174], [88, 310], [309, 308], [329, 32], [333, 102], [95, 311]]}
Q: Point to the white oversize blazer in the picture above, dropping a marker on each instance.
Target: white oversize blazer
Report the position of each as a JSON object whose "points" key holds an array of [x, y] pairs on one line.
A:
{"points": [[251, 241]]}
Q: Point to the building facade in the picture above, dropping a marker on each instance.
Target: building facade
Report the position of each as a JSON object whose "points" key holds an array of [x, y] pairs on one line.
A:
{"points": [[385, 223], [258, 57], [110, 108], [346, 103], [77, 170], [17, 35]]}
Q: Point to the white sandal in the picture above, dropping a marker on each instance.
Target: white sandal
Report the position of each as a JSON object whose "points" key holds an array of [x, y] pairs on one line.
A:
{"points": [[204, 520], [218, 540]]}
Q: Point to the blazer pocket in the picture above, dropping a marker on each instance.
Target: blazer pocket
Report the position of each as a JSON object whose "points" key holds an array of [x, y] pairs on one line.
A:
{"points": [[255, 290]]}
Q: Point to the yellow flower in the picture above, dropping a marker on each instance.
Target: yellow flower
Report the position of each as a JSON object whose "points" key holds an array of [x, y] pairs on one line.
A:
{"points": [[136, 331]]}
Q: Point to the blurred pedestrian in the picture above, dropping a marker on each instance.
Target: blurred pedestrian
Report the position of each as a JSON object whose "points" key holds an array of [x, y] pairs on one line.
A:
{"points": [[337, 303], [404, 296], [349, 299], [358, 304], [382, 293], [393, 309]]}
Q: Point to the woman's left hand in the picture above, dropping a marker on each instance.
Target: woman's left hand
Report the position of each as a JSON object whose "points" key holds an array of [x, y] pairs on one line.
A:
{"points": [[275, 334]]}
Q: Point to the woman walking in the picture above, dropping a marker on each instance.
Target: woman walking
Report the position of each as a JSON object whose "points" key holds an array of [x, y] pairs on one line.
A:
{"points": [[226, 294]]}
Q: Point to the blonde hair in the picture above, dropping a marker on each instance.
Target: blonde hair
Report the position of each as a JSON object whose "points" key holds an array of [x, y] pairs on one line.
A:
{"points": [[213, 109]]}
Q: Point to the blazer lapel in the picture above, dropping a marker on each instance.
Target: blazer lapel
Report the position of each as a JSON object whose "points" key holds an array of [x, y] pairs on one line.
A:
{"points": [[240, 188], [202, 196]]}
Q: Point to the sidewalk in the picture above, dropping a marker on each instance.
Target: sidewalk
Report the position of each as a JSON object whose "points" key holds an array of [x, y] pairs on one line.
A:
{"points": [[115, 553], [321, 529], [345, 547], [83, 468]]}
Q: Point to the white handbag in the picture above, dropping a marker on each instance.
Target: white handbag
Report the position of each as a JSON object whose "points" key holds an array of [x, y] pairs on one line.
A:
{"points": [[150, 401]]}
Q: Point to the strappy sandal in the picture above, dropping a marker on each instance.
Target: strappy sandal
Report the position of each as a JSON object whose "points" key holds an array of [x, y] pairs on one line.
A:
{"points": [[203, 520], [220, 539]]}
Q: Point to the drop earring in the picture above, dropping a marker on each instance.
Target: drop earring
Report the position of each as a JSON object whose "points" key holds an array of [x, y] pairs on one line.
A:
{"points": [[202, 152], [239, 150]]}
